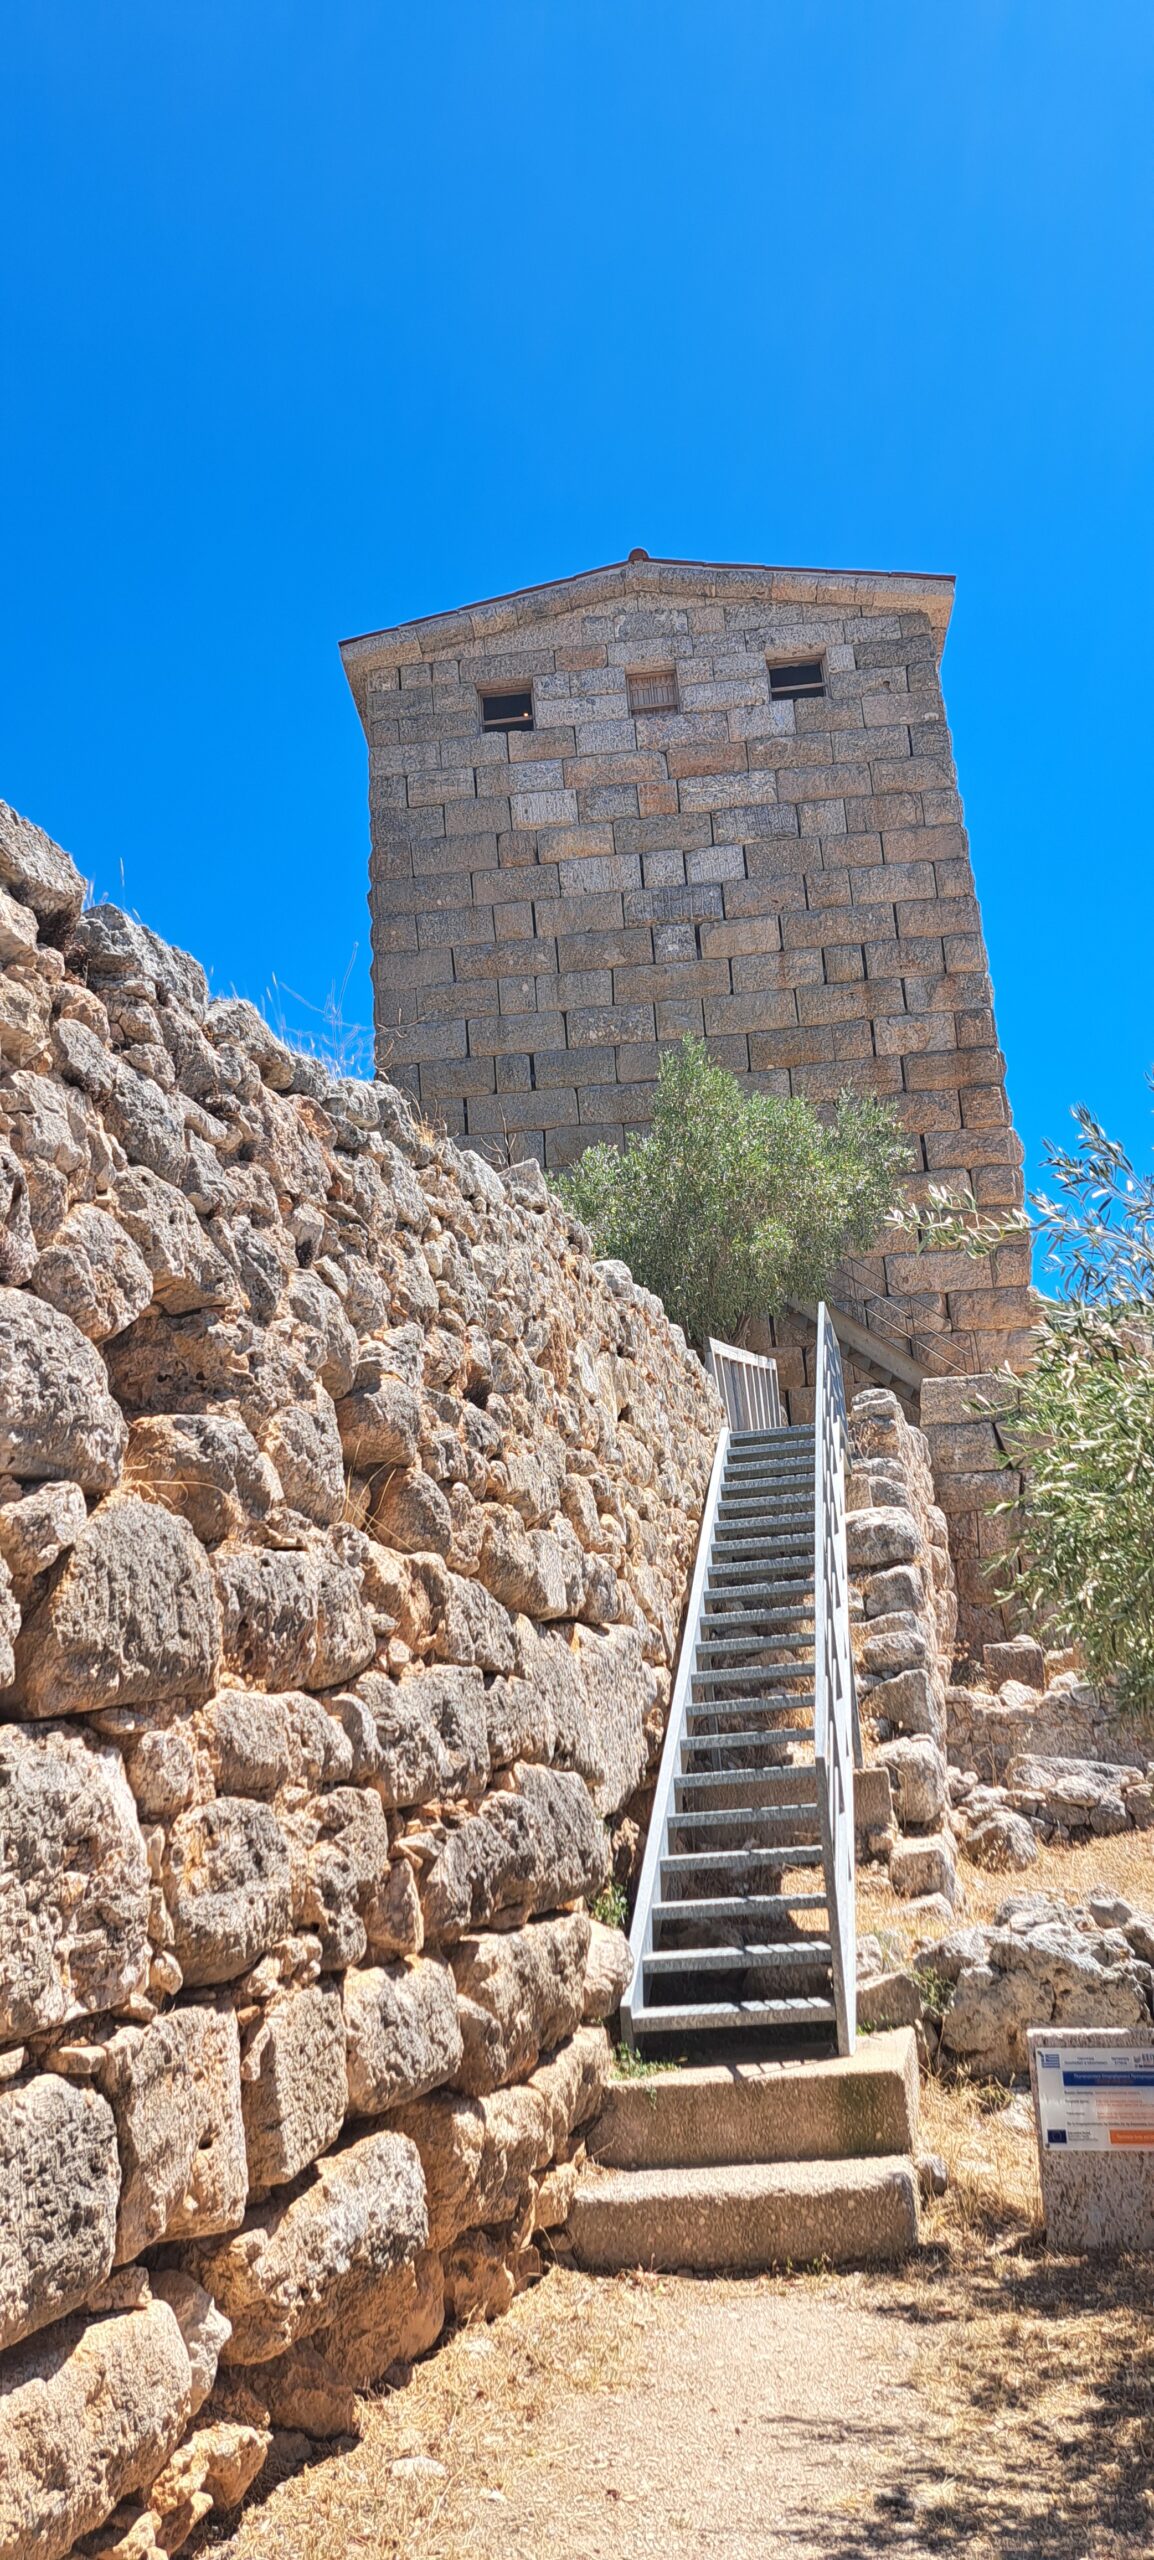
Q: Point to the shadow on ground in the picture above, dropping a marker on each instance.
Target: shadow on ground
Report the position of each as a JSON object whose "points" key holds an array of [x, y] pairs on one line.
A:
{"points": [[1041, 2372]]}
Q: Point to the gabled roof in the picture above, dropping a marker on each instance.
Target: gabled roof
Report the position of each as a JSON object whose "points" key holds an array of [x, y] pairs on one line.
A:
{"points": [[640, 581]]}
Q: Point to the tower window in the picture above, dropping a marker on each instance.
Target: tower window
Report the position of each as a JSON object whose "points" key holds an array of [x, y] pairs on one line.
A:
{"points": [[507, 710], [656, 690], [800, 681]]}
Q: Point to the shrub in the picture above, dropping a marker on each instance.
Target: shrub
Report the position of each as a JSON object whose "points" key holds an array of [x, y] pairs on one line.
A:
{"points": [[1085, 1438], [735, 1203], [1084, 1432]]}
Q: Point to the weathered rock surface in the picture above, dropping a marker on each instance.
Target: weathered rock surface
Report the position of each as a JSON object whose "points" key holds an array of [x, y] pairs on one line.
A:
{"points": [[89, 2411], [59, 2177], [294, 2085], [228, 1887], [174, 2089], [57, 1417], [1041, 1964], [520, 1991], [362, 2210], [523, 1851], [131, 1618], [403, 2032], [346, 1512], [74, 1895]]}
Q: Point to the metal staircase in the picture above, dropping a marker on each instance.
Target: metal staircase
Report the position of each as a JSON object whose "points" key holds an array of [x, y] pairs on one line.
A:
{"points": [[744, 1923]]}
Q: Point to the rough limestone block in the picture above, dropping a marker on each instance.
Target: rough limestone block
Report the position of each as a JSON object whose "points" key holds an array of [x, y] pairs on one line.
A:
{"points": [[74, 1893], [188, 1270], [521, 1991], [608, 1973], [917, 1771], [203, 2328], [291, 1619], [879, 1536], [522, 1852], [59, 2178], [228, 1888], [57, 1417], [131, 1619], [924, 1866], [403, 2032], [205, 1466], [92, 1272], [37, 1527], [36, 871], [294, 2085], [910, 1702], [430, 1732], [89, 2412], [363, 2209], [381, 2320], [174, 2089]]}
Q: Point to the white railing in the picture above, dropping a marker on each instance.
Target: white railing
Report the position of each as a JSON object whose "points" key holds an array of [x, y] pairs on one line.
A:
{"points": [[747, 1385], [836, 1729], [641, 1933]]}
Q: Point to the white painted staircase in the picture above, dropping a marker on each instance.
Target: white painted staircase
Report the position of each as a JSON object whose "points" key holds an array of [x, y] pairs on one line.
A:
{"points": [[744, 1922], [772, 2141]]}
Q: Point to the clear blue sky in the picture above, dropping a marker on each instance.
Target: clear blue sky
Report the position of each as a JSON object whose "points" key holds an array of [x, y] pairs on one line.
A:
{"points": [[318, 316]]}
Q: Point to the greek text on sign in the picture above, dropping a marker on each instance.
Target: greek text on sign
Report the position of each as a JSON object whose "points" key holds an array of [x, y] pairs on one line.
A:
{"points": [[1096, 2097]]}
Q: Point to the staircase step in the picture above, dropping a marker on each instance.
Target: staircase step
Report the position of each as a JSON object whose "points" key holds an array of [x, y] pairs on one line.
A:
{"points": [[688, 2018], [794, 1785], [762, 2214], [864, 2105], [788, 1954], [772, 1737], [762, 1907], [734, 1862], [747, 1671]]}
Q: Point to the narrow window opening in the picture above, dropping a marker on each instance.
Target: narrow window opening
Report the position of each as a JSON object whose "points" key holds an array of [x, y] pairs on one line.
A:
{"points": [[801, 681], [507, 710], [656, 690]]}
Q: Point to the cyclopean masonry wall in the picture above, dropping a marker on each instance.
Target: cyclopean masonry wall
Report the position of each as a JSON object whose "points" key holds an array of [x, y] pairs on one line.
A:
{"points": [[346, 1512], [789, 878]]}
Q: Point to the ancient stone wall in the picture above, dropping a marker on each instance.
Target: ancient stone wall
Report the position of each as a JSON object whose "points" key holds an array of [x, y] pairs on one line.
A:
{"points": [[978, 1490], [788, 878], [345, 1519], [905, 1613]]}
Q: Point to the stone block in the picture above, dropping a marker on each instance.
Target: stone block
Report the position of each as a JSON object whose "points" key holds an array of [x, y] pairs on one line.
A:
{"points": [[294, 2085], [59, 2182], [89, 2412], [362, 2211]]}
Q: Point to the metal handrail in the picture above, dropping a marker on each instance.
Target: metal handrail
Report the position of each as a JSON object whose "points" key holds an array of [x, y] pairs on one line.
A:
{"points": [[927, 1340], [641, 1933], [747, 1384], [837, 1729]]}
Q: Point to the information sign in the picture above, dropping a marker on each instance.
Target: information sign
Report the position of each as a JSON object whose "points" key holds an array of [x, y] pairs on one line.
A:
{"points": [[1094, 2097]]}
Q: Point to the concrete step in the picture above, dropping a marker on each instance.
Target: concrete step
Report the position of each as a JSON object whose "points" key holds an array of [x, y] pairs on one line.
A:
{"points": [[759, 2214], [863, 2106]]}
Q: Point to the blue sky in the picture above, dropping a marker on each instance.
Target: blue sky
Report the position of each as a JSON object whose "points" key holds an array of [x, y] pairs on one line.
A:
{"points": [[316, 318]]}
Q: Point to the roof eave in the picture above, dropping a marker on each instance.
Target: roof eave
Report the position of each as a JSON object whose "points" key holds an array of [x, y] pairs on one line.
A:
{"points": [[433, 635]]}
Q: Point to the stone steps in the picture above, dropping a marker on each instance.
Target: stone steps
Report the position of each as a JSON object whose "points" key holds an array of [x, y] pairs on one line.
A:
{"points": [[755, 2164], [742, 2217]]}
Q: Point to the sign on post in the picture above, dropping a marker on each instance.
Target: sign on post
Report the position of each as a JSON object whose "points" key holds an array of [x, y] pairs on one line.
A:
{"points": [[1094, 2109]]}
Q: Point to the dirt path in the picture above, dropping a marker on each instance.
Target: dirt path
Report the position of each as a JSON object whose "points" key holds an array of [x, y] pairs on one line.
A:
{"points": [[753, 2423], [628, 2418]]}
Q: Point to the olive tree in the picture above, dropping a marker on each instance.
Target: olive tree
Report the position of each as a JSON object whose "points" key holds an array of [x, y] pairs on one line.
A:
{"points": [[734, 1203]]}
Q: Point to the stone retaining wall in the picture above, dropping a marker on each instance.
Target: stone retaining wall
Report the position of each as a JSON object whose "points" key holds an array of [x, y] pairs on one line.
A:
{"points": [[962, 1419], [346, 1512], [905, 1620]]}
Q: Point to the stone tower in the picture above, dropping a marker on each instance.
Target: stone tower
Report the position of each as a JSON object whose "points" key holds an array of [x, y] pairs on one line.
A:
{"points": [[671, 796]]}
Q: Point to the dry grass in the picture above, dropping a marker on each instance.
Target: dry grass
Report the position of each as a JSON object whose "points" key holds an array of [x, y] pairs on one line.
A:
{"points": [[476, 2409], [1123, 1865]]}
